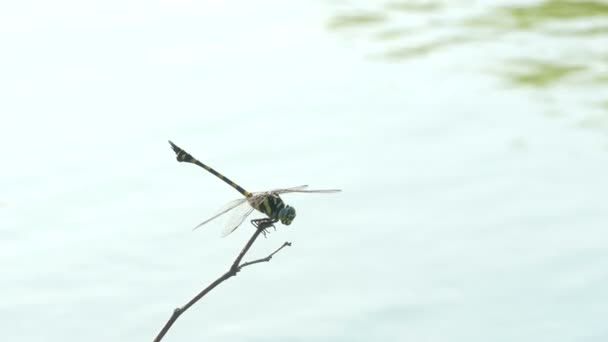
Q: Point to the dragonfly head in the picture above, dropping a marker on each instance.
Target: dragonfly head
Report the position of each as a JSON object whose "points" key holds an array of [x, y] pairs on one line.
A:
{"points": [[287, 214]]}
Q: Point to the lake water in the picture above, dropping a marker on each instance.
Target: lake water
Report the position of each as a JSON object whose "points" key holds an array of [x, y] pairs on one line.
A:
{"points": [[469, 138]]}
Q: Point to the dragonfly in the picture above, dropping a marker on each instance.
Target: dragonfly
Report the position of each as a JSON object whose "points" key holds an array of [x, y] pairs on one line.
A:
{"points": [[268, 203]]}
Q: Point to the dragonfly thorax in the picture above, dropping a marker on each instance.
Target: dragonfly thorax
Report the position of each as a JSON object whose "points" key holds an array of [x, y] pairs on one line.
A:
{"points": [[273, 206]]}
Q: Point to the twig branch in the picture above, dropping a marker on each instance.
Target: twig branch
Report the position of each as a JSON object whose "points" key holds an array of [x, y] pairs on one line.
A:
{"points": [[234, 269], [237, 261], [266, 259]]}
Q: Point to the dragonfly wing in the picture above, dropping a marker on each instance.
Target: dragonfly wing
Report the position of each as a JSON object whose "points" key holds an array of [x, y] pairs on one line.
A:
{"points": [[258, 197], [321, 191], [294, 188], [241, 213], [302, 188], [225, 209], [238, 216]]}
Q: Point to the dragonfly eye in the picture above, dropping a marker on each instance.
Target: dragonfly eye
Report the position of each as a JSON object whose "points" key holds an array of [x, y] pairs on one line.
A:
{"points": [[287, 214]]}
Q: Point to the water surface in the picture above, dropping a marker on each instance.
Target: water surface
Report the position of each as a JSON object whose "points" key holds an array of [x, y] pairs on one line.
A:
{"points": [[469, 139]]}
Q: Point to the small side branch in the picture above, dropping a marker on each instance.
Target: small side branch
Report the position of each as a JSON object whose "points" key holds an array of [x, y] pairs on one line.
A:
{"points": [[266, 259]]}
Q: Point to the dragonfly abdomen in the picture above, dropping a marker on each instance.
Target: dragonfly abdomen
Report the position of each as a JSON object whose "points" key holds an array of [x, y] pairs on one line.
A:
{"points": [[184, 156]]}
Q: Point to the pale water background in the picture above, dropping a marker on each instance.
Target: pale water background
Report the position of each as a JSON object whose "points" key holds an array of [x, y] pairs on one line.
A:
{"points": [[470, 138]]}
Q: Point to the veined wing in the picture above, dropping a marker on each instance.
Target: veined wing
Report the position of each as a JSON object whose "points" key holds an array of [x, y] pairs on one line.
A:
{"points": [[225, 209], [293, 188], [243, 211], [302, 189], [243, 207], [237, 217]]}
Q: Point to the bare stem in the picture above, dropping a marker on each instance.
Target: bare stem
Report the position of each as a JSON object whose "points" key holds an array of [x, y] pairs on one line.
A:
{"points": [[234, 269]]}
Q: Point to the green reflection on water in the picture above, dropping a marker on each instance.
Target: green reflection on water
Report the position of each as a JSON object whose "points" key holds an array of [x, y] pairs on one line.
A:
{"points": [[547, 42], [529, 16], [587, 31], [393, 34], [413, 29], [602, 78], [538, 73], [356, 19], [411, 6]]}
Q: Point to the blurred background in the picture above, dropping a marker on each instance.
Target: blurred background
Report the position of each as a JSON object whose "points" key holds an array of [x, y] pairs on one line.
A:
{"points": [[469, 138]]}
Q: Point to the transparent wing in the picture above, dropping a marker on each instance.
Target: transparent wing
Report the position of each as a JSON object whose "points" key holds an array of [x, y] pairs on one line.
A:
{"points": [[243, 211], [225, 209], [301, 189], [243, 207], [257, 198], [238, 216], [294, 188]]}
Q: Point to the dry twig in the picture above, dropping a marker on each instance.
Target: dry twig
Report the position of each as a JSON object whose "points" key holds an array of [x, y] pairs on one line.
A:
{"points": [[234, 269]]}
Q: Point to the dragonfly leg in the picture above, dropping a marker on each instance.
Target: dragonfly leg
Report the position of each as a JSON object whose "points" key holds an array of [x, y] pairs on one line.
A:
{"points": [[264, 224]]}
